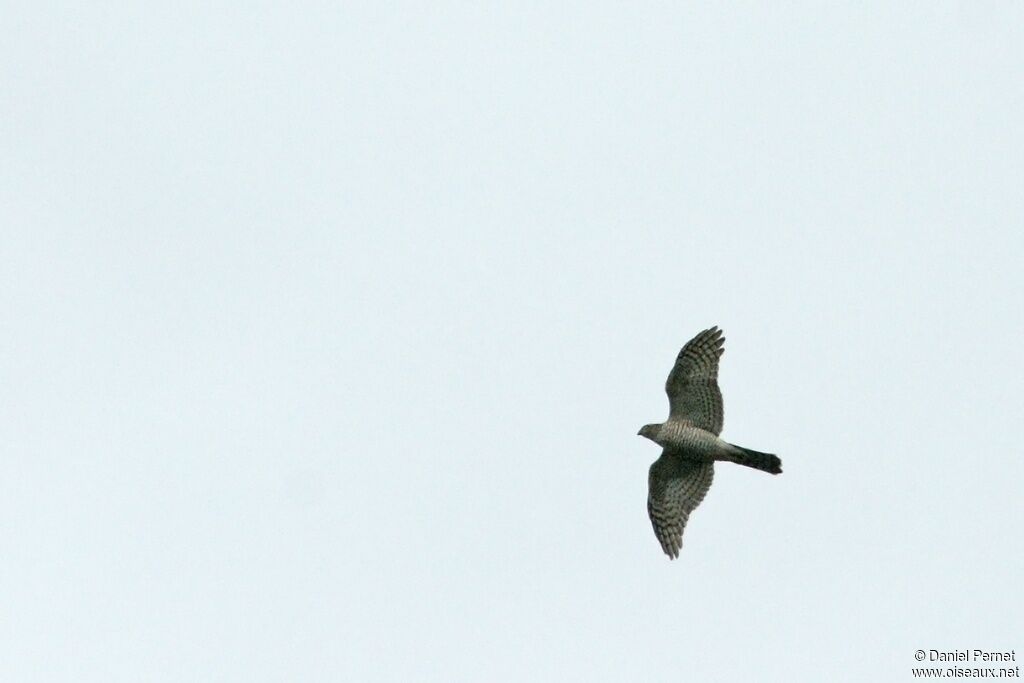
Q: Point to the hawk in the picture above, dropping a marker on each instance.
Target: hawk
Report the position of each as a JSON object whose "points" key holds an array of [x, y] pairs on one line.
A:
{"points": [[681, 477]]}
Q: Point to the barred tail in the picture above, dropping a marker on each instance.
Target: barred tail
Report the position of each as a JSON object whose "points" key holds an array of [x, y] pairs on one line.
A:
{"points": [[756, 459]]}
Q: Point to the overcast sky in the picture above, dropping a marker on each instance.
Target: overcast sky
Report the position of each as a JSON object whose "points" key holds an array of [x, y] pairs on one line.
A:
{"points": [[327, 330]]}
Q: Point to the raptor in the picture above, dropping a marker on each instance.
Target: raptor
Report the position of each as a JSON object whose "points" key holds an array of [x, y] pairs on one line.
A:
{"points": [[680, 478]]}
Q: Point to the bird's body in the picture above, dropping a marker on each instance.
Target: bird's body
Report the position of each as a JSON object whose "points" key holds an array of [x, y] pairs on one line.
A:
{"points": [[681, 477], [677, 435]]}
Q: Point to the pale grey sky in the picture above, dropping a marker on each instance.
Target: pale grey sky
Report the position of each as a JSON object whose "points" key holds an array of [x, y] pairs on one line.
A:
{"points": [[327, 330]]}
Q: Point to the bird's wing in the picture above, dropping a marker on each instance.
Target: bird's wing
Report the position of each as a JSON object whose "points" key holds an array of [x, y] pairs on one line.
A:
{"points": [[692, 386], [676, 486]]}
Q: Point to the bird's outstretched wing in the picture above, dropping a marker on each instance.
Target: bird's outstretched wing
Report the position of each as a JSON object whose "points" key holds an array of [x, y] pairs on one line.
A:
{"points": [[676, 486], [692, 386]]}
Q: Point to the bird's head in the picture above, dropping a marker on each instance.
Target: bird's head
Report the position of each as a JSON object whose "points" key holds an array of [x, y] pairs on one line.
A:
{"points": [[649, 431]]}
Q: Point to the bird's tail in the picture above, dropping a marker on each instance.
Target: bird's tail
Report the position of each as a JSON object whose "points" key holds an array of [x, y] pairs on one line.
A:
{"points": [[767, 462]]}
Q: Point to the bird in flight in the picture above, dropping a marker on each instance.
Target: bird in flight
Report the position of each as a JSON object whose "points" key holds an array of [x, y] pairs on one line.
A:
{"points": [[681, 477]]}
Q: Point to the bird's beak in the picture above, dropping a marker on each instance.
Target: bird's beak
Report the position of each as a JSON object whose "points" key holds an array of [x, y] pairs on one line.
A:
{"points": [[640, 433]]}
